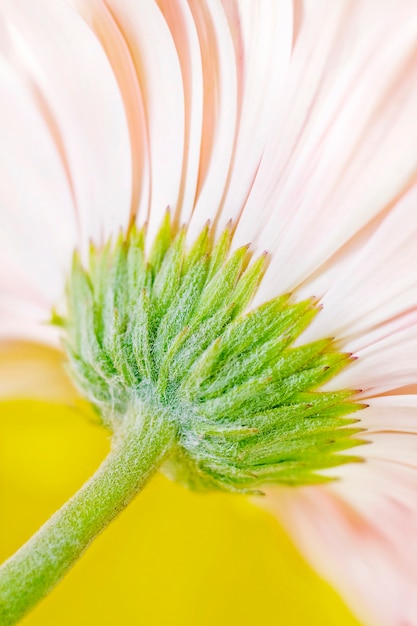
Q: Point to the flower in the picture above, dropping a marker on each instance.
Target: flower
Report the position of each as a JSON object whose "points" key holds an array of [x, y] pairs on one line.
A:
{"points": [[297, 122]]}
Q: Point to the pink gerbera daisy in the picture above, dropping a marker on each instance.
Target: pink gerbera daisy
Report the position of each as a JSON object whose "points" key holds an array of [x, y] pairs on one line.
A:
{"points": [[289, 125]]}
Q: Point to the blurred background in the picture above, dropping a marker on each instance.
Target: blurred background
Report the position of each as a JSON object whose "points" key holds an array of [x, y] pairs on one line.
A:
{"points": [[173, 557]]}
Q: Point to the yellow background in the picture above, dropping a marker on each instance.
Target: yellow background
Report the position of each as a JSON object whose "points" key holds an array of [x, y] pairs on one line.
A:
{"points": [[172, 558]]}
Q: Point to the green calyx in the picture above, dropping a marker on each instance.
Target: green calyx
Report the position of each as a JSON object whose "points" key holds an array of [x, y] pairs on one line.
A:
{"points": [[168, 331]]}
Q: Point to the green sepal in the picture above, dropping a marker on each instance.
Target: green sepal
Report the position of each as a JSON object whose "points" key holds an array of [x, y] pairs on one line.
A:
{"points": [[170, 331]]}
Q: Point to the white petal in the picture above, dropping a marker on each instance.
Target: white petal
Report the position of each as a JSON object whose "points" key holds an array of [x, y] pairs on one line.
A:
{"points": [[179, 18], [159, 77], [392, 447], [360, 534], [34, 372], [262, 36], [38, 229], [220, 109], [68, 70], [385, 364], [359, 531], [380, 417], [343, 144], [377, 284], [114, 44]]}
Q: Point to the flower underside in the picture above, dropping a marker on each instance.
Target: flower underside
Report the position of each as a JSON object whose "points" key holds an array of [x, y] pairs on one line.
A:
{"points": [[167, 333]]}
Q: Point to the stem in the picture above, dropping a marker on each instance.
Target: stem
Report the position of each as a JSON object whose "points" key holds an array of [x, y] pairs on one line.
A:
{"points": [[137, 451]]}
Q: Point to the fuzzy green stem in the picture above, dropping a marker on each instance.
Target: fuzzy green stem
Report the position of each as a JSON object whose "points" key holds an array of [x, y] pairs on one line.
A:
{"points": [[30, 574]]}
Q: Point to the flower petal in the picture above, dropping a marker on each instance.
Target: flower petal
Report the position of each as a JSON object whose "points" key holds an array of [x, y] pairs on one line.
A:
{"points": [[376, 284], [158, 76], [179, 17], [252, 45], [35, 202], [74, 87], [333, 162], [359, 531], [387, 363], [64, 156], [36, 372]]}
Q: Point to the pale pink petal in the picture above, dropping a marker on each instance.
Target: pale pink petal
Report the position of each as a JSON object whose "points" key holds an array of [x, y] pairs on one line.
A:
{"points": [[35, 372], [380, 417], [368, 568], [22, 317], [394, 447], [74, 86], [366, 290], [333, 162], [296, 120], [359, 531], [159, 78], [38, 227], [220, 109], [64, 156], [262, 35], [179, 18], [386, 363]]}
